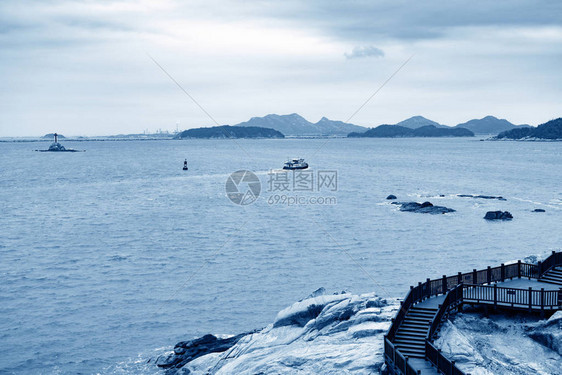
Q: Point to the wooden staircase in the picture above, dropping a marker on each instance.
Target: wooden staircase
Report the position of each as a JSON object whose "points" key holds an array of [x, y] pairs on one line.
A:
{"points": [[553, 276], [411, 334]]}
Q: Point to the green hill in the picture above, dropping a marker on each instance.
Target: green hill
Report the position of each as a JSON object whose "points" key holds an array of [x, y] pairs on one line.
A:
{"points": [[396, 131], [549, 130], [227, 131]]}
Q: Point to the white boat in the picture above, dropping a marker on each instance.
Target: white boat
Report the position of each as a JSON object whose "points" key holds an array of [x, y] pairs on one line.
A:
{"points": [[296, 164]]}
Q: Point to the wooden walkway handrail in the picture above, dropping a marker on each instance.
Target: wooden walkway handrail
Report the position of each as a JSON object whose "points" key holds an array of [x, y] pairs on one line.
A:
{"points": [[470, 287]]}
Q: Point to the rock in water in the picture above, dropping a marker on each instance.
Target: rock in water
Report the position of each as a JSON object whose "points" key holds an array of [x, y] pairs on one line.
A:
{"points": [[423, 208], [498, 215], [500, 198], [187, 351], [56, 146], [538, 210], [391, 197]]}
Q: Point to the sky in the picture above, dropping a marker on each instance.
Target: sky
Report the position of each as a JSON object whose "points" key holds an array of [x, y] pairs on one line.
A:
{"points": [[85, 67]]}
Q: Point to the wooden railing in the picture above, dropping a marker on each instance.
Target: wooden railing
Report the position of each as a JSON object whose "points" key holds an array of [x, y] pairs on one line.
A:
{"points": [[513, 297], [404, 307], [441, 363], [399, 361], [453, 299], [555, 259], [467, 286]]}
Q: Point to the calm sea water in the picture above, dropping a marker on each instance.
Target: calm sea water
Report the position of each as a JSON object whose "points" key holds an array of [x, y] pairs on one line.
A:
{"points": [[111, 256]]}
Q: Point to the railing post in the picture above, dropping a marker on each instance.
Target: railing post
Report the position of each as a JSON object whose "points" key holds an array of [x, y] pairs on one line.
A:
{"points": [[459, 278], [495, 296], [560, 298], [542, 302], [474, 276], [444, 284], [489, 275], [519, 269], [503, 272], [438, 355], [428, 282], [530, 299], [461, 288], [539, 267], [452, 367]]}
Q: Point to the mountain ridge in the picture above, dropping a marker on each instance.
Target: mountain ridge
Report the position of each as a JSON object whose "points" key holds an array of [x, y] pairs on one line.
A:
{"points": [[489, 125], [295, 125]]}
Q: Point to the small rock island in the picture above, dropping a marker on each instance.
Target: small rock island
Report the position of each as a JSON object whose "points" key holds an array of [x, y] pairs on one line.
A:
{"points": [[57, 147], [423, 208]]}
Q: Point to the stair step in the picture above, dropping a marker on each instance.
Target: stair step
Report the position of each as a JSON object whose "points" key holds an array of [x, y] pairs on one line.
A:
{"points": [[402, 346], [424, 309], [416, 319], [407, 336], [420, 335], [417, 327], [418, 344], [551, 277], [555, 271], [413, 332], [556, 282], [414, 353], [414, 326], [421, 314]]}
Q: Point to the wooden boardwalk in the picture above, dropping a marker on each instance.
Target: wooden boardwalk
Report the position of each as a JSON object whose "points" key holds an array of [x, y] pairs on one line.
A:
{"points": [[526, 287]]}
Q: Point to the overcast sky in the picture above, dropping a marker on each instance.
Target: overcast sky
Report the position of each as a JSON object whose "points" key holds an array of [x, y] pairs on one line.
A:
{"points": [[81, 67]]}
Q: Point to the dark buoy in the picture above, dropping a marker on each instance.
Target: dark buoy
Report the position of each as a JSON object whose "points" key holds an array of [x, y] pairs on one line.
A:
{"points": [[185, 165]]}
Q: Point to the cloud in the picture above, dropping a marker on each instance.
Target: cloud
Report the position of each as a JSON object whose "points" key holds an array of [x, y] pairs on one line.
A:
{"points": [[361, 52], [81, 66]]}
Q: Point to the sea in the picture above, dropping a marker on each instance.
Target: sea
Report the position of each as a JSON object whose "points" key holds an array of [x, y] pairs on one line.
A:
{"points": [[111, 256]]}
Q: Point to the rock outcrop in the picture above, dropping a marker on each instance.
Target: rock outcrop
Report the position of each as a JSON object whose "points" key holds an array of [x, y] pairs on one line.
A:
{"points": [[321, 334], [498, 215], [423, 208], [500, 198], [187, 351]]}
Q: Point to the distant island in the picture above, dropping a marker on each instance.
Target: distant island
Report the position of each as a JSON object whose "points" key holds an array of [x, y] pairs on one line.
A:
{"points": [[397, 131], [551, 130], [227, 131], [418, 122], [52, 135], [296, 125], [490, 125]]}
